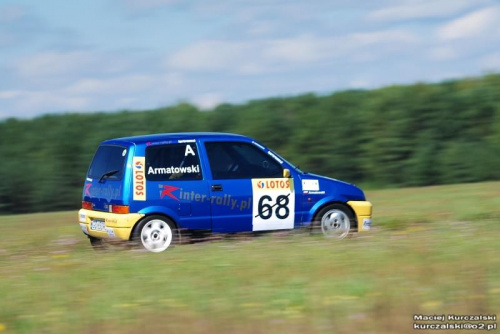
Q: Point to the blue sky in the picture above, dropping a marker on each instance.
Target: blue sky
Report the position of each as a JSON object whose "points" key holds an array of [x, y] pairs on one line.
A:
{"points": [[107, 55]]}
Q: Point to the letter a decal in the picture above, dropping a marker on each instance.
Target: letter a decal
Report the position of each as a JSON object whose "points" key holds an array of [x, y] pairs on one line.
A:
{"points": [[189, 150]]}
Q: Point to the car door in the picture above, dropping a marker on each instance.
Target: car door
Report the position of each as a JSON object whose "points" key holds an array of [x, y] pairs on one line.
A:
{"points": [[247, 189], [175, 181]]}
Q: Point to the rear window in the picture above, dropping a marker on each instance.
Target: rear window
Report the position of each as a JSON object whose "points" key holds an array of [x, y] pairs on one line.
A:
{"points": [[108, 158]]}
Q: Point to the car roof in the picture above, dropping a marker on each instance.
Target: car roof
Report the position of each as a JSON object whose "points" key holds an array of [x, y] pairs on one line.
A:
{"points": [[177, 136]]}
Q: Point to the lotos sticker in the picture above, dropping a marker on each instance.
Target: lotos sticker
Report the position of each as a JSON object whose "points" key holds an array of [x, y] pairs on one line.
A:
{"points": [[139, 164]]}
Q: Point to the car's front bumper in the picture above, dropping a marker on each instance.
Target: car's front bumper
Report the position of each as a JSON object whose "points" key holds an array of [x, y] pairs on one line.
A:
{"points": [[116, 225], [363, 211]]}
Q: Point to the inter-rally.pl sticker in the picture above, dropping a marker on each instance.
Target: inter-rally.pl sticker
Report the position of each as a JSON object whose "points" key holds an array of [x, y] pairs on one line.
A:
{"points": [[139, 184], [273, 204]]}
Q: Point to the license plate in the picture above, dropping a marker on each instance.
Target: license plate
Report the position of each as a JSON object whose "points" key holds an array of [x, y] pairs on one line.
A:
{"points": [[98, 225]]}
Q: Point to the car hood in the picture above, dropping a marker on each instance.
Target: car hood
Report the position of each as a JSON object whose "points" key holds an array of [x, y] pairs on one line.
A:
{"points": [[340, 189]]}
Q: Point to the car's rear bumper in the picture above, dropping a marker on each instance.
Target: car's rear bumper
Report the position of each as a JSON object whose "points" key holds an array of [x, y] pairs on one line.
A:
{"points": [[363, 211], [117, 225]]}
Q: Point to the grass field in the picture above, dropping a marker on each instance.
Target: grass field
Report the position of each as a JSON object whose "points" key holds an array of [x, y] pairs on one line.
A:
{"points": [[433, 250]]}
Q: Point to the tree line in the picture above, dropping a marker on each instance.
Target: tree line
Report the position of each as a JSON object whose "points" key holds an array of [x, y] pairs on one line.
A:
{"points": [[414, 135]]}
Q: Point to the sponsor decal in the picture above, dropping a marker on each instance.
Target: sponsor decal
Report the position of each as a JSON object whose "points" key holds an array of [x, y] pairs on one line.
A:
{"points": [[193, 169], [139, 181], [225, 200], [111, 221], [311, 185], [274, 184], [107, 192], [166, 190], [163, 142], [83, 217], [182, 141], [310, 192], [275, 157], [110, 231], [124, 153], [273, 204], [367, 223], [89, 179], [258, 145], [87, 189]]}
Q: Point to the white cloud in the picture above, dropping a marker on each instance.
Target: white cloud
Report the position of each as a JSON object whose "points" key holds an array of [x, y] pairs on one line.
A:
{"points": [[117, 92], [381, 37], [422, 10], [142, 7], [210, 55], [58, 63], [125, 102], [443, 53], [18, 27], [11, 13], [360, 84], [207, 101], [472, 25], [10, 94], [490, 62], [115, 85], [298, 50], [30, 103], [261, 28], [271, 55], [256, 49], [55, 63], [6, 38]]}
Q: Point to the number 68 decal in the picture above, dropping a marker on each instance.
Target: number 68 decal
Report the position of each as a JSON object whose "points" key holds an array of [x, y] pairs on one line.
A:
{"points": [[273, 204], [266, 210]]}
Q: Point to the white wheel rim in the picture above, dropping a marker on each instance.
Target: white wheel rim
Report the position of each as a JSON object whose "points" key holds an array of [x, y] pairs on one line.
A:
{"points": [[335, 224], [156, 235]]}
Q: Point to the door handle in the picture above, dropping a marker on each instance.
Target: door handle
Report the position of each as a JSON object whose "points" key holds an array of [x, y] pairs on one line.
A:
{"points": [[217, 187]]}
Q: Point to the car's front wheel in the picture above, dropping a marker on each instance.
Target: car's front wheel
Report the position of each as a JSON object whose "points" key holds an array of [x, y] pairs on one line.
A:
{"points": [[334, 221], [156, 234]]}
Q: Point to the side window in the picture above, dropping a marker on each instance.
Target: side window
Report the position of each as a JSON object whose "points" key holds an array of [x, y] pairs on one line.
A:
{"points": [[236, 160], [173, 162]]}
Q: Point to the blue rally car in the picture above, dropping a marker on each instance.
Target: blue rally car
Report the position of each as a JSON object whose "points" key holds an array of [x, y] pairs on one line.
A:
{"points": [[147, 189]]}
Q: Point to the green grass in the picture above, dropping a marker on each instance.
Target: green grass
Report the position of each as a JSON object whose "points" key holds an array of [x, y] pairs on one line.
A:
{"points": [[433, 250]]}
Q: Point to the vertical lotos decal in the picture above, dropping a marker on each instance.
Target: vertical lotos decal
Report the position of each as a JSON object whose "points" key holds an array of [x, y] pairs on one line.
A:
{"points": [[139, 166]]}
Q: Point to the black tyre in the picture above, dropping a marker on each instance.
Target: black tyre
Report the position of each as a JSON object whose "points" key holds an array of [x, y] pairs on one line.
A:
{"points": [[334, 221], [156, 234], [97, 244]]}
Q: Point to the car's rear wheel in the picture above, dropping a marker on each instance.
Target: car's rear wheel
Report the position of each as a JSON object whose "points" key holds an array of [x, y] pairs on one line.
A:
{"points": [[97, 244], [334, 221], [156, 234]]}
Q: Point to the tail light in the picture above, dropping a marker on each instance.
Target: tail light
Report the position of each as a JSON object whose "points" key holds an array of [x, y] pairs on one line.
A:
{"points": [[123, 209], [87, 205], [120, 209]]}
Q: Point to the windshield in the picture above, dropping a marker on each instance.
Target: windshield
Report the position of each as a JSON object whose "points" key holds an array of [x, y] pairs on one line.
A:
{"points": [[109, 159]]}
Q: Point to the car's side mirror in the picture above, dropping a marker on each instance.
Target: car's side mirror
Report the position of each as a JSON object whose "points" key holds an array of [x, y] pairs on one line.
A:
{"points": [[286, 173]]}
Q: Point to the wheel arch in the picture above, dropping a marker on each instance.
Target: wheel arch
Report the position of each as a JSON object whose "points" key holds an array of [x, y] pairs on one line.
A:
{"points": [[324, 205], [153, 213]]}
